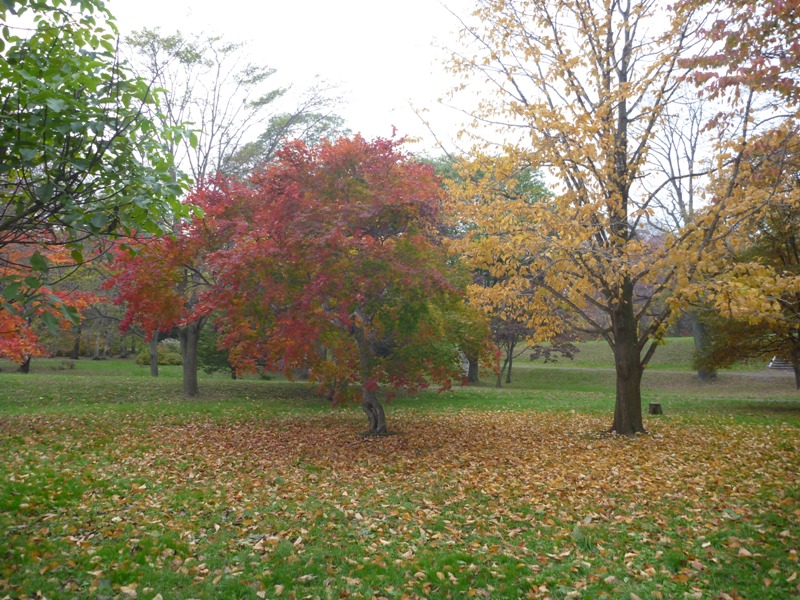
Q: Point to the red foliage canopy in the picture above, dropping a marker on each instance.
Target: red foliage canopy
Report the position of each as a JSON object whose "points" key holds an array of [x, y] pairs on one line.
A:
{"points": [[339, 269]]}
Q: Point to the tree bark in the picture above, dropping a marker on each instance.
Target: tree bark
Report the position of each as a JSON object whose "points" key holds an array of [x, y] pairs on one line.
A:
{"points": [[499, 382], [473, 369], [370, 405], [700, 335], [375, 413], [628, 406], [76, 347], [510, 363], [190, 337], [154, 356], [25, 366], [795, 358]]}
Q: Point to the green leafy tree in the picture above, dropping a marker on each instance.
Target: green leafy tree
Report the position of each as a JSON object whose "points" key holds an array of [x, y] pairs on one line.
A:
{"points": [[78, 158]]}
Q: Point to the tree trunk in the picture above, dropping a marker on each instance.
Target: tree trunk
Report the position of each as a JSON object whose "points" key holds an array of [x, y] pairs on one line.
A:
{"points": [[701, 341], [190, 336], [499, 382], [510, 362], [627, 359], [795, 358], [154, 355], [25, 366], [107, 343], [76, 347], [473, 369], [374, 412]]}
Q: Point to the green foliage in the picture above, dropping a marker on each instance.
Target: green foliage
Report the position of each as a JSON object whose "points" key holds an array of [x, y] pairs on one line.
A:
{"points": [[732, 341], [309, 127], [169, 353], [77, 157], [212, 359]]}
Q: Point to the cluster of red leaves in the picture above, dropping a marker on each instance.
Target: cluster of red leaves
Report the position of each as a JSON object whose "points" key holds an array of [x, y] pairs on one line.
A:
{"points": [[168, 281], [759, 47], [26, 296], [476, 485], [326, 259], [339, 240]]}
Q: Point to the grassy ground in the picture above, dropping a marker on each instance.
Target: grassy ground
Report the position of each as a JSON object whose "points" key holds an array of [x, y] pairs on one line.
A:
{"points": [[115, 487], [674, 354]]}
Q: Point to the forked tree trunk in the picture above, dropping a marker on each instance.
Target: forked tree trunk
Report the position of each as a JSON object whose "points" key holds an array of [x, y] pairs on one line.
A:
{"points": [[370, 405], [628, 364], [154, 356], [375, 413], [190, 337]]}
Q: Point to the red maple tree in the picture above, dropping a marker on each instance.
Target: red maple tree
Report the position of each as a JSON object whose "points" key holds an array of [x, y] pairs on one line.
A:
{"points": [[339, 272]]}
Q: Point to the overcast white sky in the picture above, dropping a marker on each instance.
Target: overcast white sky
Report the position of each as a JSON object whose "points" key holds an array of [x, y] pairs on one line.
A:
{"points": [[385, 55]]}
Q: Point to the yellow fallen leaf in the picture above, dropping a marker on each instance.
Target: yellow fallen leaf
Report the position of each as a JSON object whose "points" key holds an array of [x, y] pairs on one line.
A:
{"points": [[744, 552], [278, 590], [792, 577]]}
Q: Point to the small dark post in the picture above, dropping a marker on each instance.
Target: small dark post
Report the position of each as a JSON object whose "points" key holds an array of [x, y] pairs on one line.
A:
{"points": [[654, 408]]}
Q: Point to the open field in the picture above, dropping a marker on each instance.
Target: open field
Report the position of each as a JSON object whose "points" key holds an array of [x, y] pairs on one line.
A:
{"points": [[115, 487], [675, 353]]}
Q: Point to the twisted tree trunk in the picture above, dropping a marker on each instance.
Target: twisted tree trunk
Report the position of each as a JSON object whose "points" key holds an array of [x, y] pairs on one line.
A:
{"points": [[375, 413]]}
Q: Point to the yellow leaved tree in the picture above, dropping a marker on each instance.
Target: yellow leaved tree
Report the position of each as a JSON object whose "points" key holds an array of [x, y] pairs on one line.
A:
{"points": [[757, 292], [581, 89]]}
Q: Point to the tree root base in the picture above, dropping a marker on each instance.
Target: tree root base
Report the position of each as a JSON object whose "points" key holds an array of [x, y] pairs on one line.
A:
{"points": [[377, 434]]}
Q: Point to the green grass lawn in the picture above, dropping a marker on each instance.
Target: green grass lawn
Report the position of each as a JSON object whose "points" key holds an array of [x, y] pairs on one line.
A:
{"points": [[113, 486], [674, 354]]}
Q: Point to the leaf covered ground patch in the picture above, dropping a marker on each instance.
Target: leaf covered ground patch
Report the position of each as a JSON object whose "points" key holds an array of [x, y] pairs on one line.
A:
{"points": [[468, 504]]}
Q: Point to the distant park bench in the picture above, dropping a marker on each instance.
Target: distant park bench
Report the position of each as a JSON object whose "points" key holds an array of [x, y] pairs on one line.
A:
{"points": [[779, 363]]}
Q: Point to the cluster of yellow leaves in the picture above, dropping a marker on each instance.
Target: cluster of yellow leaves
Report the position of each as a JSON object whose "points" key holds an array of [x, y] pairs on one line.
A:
{"points": [[755, 274]]}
